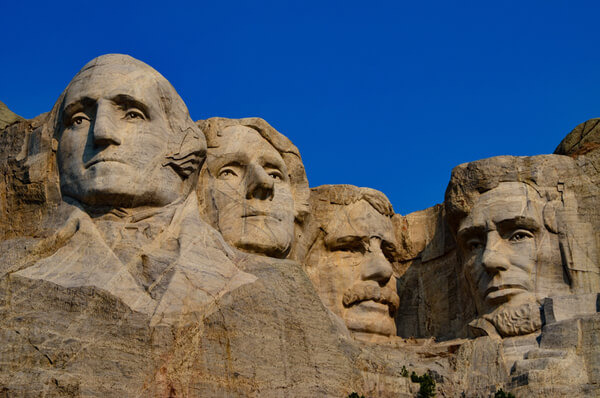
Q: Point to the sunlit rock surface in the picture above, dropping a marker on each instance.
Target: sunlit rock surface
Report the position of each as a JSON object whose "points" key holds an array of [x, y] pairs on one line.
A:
{"points": [[145, 254]]}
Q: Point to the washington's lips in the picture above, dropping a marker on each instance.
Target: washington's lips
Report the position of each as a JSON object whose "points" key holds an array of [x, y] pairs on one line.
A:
{"points": [[101, 159], [368, 291]]}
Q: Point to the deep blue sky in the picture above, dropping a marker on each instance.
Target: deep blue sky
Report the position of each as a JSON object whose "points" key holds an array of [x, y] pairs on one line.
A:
{"points": [[389, 95]]}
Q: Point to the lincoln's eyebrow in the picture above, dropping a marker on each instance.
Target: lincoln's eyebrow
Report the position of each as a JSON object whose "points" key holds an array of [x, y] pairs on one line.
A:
{"points": [[468, 232], [127, 101], [518, 222]]}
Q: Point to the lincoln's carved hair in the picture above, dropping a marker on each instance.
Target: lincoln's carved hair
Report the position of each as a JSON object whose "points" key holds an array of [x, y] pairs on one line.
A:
{"points": [[186, 142], [553, 178], [213, 128]]}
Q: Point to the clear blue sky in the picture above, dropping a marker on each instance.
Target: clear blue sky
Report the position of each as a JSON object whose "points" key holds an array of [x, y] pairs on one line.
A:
{"points": [[385, 94]]}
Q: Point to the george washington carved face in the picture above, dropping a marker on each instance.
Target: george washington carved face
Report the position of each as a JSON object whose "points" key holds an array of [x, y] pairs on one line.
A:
{"points": [[114, 136]]}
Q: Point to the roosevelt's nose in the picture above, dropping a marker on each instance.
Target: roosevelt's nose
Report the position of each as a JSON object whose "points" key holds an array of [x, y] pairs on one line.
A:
{"points": [[376, 266], [493, 258], [104, 130], [259, 185]]}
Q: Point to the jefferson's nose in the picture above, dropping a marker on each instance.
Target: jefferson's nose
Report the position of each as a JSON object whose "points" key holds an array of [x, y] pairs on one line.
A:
{"points": [[104, 130], [259, 185], [493, 258], [376, 266]]}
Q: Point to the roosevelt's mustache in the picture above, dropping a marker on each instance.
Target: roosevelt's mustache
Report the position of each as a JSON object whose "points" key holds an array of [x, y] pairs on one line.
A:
{"points": [[363, 291]]}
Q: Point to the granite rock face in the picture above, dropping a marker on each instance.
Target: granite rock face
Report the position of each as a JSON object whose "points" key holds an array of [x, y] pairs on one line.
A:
{"points": [[145, 254]]}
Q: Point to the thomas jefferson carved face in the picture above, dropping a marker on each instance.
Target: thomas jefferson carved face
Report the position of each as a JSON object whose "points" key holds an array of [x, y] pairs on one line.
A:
{"points": [[351, 269], [114, 139], [500, 242], [251, 192]]}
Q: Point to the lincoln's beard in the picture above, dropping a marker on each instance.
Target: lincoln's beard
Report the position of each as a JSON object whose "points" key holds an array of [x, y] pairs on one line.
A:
{"points": [[516, 320]]}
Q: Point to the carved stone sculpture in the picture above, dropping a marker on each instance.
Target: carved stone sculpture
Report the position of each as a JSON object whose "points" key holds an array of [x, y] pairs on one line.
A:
{"points": [[350, 255], [253, 189], [519, 238], [143, 254]]}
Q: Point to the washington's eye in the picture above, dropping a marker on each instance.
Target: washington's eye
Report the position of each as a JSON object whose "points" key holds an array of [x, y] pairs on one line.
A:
{"points": [[134, 114], [79, 118], [227, 173], [520, 235]]}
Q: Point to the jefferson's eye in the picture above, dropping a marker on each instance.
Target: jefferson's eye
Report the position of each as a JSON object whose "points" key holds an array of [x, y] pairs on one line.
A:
{"points": [[520, 235], [226, 174], [134, 114], [276, 175]]}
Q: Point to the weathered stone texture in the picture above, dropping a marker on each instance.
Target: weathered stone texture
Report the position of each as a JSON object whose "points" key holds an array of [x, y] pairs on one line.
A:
{"points": [[145, 254]]}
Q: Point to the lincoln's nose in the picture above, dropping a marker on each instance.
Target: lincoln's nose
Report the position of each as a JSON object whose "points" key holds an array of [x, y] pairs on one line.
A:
{"points": [[493, 258]]}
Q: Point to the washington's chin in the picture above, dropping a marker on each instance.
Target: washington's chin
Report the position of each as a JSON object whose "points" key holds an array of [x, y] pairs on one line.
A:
{"points": [[370, 317]]}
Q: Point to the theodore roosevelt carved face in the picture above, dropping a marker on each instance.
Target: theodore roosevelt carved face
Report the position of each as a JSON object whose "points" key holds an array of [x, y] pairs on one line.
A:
{"points": [[350, 263]]}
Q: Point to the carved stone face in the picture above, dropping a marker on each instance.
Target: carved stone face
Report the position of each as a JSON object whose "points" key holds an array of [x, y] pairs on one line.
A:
{"points": [[113, 140], [500, 242], [252, 192], [352, 271]]}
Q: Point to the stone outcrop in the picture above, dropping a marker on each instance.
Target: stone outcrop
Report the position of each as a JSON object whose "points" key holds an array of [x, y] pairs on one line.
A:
{"points": [[145, 254]]}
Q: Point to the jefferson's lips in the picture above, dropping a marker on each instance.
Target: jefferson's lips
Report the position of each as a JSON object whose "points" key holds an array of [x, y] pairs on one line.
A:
{"points": [[92, 162], [259, 213]]}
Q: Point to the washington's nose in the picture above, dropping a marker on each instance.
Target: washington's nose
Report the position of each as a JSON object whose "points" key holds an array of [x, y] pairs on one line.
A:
{"points": [[493, 259], [376, 267], [259, 185], [104, 130]]}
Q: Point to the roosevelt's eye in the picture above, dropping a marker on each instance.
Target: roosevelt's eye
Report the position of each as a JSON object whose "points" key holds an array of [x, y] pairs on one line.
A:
{"points": [[227, 173], [133, 113], [520, 235], [79, 118]]}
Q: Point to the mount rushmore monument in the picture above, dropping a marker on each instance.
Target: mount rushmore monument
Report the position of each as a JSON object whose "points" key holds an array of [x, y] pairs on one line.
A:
{"points": [[146, 254]]}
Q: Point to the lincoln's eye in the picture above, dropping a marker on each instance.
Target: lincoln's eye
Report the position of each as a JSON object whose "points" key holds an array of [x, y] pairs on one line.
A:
{"points": [[474, 244], [520, 235]]}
